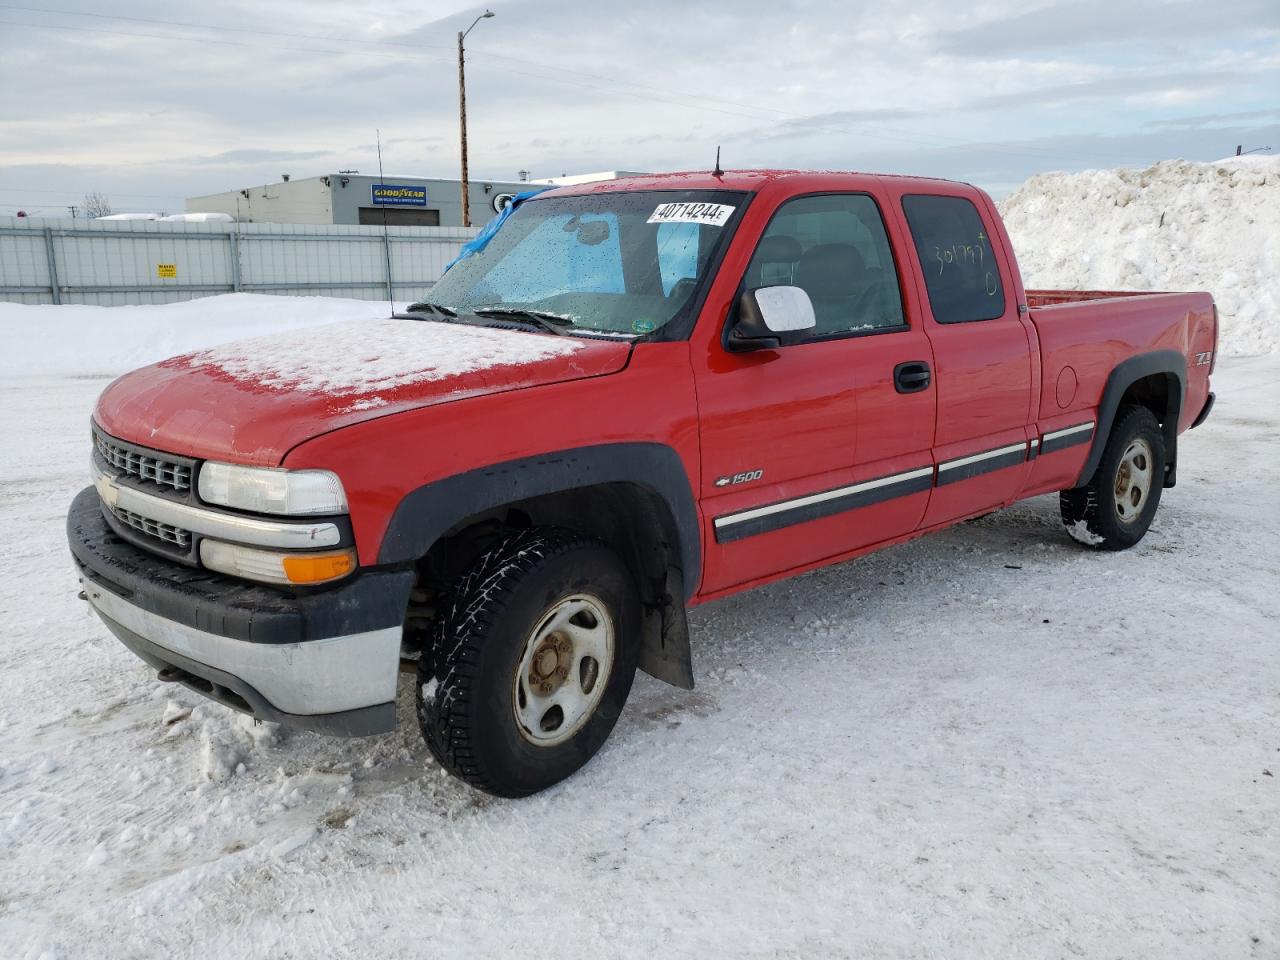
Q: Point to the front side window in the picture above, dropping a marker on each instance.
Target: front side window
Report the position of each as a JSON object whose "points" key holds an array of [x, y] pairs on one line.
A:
{"points": [[960, 271], [624, 262], [835, 248]]}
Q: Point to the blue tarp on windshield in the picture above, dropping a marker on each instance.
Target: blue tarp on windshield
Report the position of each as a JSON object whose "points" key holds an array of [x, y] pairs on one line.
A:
{"points": [[481, 239]]}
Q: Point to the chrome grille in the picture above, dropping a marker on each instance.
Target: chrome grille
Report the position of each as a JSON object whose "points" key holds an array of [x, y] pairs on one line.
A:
{"points": [[167, 473], [166, 532]]}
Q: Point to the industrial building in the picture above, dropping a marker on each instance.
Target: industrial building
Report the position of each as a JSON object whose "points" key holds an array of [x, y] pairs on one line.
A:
{"points": [[569, 179], [351, 198]]}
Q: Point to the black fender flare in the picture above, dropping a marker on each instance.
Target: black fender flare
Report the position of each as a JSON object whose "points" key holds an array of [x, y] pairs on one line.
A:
{"points": [[1126, 374], [424, 514]]}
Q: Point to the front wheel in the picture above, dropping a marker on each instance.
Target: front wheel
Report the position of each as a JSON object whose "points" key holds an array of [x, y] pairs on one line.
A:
{"points": [[1114, 510], [532, 661]]}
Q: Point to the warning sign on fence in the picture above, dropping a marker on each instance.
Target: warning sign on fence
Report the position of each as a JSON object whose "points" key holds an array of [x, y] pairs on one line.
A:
{"points": [[167, 270]]}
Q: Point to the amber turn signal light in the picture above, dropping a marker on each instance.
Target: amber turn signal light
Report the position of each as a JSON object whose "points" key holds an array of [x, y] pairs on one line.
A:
{"points": [[319, 567]]}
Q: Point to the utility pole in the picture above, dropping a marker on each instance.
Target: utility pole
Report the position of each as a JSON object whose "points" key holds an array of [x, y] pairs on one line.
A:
{"points": [[462, 114], [75, 211]]}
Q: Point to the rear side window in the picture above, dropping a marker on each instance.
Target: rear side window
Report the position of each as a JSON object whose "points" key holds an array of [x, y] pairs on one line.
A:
{"points": [[834, 247], [960, 272]]}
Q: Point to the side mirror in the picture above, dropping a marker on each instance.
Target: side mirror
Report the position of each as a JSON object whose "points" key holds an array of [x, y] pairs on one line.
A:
{"points": [[766, 313]]}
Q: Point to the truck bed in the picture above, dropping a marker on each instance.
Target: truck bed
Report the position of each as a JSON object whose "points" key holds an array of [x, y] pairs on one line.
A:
{"points": [[1085, 334], [1049, 298]]}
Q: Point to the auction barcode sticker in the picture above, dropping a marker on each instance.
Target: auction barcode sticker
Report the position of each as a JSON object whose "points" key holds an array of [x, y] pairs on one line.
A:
{"points": [[715, 214]]}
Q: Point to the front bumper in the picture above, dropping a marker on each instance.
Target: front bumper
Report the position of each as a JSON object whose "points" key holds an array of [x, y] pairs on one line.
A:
{"points": [[324, 660]]}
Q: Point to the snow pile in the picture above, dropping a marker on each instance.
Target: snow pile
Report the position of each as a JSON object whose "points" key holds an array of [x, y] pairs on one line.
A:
{"points": [[1174, 226], [85, 340], [364, 356]]}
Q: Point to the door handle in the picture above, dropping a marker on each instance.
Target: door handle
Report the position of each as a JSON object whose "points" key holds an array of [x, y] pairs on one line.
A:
{"points": [[912, 376]]}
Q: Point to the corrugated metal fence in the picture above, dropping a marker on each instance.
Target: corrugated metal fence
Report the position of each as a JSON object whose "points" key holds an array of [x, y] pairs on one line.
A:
{"points": [[115, 262]]}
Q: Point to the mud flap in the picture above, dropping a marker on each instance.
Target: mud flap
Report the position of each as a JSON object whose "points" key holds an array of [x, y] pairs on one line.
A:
{"points": [[666, 655]]}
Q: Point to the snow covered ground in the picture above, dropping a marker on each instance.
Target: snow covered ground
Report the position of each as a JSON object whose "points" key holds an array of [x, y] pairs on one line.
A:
{"points": [[90, 340], [988, 743]]}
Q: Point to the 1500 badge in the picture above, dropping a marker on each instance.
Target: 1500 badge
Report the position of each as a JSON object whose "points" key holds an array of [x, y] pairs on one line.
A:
{"points": [[747, 476]]}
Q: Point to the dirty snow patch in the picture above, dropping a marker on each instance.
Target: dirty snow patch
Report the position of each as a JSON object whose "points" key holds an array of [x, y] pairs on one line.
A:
{"points": [[365, 356]]}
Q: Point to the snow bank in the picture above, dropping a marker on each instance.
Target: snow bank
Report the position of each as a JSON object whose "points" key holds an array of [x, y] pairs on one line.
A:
{"points": [[1174, 226], [364, 356], [84, 340]]}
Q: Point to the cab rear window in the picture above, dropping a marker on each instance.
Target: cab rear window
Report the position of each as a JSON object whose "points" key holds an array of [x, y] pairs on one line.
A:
{"points": [[960, 272]]}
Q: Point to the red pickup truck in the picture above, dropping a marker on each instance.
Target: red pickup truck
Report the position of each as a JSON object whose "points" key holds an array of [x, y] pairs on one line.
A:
{"points": [[629, 398]]}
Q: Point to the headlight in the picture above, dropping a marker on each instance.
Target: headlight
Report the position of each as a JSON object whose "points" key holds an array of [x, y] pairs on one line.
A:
{"points": [[272, 490], [269, 566]]}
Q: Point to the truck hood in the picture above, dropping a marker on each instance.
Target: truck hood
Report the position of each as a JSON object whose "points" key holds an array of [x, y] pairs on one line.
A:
{"points": [[252, 401]]}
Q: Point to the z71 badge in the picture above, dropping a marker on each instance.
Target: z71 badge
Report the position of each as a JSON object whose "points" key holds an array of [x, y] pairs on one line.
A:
{"points": [[748, 476]]}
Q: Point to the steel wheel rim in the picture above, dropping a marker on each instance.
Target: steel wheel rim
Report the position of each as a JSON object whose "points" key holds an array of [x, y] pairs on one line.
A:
{"points": [[1133, 481], [564, 670]]}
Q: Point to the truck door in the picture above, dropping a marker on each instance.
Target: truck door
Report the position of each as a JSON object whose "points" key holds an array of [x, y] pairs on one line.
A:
{"points": [[982, 357], [782, 483]]}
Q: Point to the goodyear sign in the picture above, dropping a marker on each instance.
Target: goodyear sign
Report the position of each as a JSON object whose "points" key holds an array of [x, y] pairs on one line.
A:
{"points": [[399, 195]]}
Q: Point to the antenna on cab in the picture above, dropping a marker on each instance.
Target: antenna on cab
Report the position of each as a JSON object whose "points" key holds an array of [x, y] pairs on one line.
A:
{"points": [[717, 172], [386, 240]]}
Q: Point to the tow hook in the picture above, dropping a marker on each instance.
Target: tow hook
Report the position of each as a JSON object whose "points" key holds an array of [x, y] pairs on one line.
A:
{"points": [[82, 596], [169, 675]]}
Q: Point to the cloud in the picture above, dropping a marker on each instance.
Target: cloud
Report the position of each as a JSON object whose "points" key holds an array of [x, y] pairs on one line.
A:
{"points": [[1059, 26], [1214, 119], [1114, 86], [251, 155], [160, 109]]}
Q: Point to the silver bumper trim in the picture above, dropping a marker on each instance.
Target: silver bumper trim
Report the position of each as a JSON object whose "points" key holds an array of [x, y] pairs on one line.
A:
{"points": [[210, 523], [309, 678]]}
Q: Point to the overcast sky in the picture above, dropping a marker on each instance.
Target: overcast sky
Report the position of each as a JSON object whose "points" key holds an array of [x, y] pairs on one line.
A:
{"points": [[150, 102]]}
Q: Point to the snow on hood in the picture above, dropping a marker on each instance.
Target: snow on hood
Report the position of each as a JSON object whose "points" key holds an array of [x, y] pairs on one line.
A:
{"points": [[253, 400], [368, 356]]}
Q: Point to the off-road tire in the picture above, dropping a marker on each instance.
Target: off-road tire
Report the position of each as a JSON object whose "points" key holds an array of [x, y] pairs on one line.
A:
{"points": [[465, 709], [1090, 513]]}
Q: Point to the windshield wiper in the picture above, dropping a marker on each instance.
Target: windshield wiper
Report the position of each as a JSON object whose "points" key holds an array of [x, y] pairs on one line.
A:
{"points": [[439, 309], [547, 322]]}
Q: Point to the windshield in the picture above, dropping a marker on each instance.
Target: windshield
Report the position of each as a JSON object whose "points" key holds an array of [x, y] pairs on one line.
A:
{"points": [[622, 263]]}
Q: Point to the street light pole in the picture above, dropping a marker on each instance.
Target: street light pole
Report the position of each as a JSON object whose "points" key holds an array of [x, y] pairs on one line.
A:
{"points": [[462, 113]]}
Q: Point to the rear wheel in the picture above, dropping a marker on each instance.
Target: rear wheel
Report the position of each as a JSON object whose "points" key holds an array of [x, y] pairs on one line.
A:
{"points": [[1114, 510], [532, 660]]}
